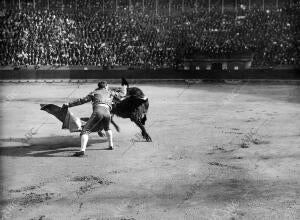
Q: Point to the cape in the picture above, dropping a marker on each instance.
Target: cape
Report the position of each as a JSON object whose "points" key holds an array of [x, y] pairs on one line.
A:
{"points": [[68, 119]]}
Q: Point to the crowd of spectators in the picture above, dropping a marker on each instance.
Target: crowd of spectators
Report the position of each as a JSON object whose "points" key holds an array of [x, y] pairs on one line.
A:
{"points": [[134, 38]]}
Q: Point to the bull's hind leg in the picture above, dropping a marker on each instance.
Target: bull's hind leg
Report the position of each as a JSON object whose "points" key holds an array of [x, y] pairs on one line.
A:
{"points": [[141, 126]]}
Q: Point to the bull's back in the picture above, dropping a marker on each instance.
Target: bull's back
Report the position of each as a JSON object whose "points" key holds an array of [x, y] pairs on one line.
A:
{"points": [[134, 106], [135, 92]]}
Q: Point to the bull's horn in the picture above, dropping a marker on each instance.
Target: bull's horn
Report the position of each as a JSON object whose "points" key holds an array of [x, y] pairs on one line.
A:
{"points": [[43, 106]]}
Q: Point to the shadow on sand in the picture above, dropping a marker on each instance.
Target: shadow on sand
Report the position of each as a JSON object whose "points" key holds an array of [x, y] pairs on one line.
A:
{"points": [[54, 146]]}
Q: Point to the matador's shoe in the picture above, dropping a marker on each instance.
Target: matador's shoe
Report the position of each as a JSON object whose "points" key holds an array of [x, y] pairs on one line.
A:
{"points": [[78, 154]]}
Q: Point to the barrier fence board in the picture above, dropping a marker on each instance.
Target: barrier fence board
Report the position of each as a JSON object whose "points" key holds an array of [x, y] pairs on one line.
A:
{"points": [[291, 74]]}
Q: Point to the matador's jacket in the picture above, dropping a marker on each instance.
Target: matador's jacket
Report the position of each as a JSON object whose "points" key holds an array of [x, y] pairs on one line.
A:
{"points": [[75, 124], [101, 96]]}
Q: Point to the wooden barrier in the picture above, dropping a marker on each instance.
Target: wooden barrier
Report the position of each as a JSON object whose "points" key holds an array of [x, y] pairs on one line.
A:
{"points": [[282, 74]]}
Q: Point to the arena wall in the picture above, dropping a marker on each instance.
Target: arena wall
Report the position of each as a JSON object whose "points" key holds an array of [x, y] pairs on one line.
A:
{"points": [[280, 74]]}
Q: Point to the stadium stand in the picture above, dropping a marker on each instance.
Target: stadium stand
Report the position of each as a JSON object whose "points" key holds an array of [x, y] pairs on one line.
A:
{"points": [[135, 37]]}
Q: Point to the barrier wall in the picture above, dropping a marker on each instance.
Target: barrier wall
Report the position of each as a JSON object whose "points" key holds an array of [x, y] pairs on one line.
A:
{"points": [[288, 74]]}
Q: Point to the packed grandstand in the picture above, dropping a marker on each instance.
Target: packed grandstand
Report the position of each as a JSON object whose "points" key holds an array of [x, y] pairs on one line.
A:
{"points": [[137, 37]]}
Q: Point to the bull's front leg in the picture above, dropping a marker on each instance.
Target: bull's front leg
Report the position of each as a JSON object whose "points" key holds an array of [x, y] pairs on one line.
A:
{"points": [[141, 126]]}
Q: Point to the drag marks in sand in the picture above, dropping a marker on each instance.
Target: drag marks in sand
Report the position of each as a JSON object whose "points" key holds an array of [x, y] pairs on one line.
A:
{"points": [[41, 217], [252, 136], [25, 188], [33, 194], [90, 183], [30, 196], [37, 194], [35, 198], [91, 178], [223, 165]]}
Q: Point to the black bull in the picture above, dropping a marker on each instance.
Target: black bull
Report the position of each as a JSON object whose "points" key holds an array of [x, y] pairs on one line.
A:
{"points": [[134, 107]]}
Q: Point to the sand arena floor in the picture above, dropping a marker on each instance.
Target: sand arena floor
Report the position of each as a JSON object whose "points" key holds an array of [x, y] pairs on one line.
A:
{"points": [[219, 151]]}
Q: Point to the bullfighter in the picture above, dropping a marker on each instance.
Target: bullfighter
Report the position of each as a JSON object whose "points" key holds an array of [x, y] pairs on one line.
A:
{"points": [[101, 98]]}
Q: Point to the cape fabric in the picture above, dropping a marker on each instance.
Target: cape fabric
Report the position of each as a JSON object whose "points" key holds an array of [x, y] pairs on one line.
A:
{"points": [[69, 121]]}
